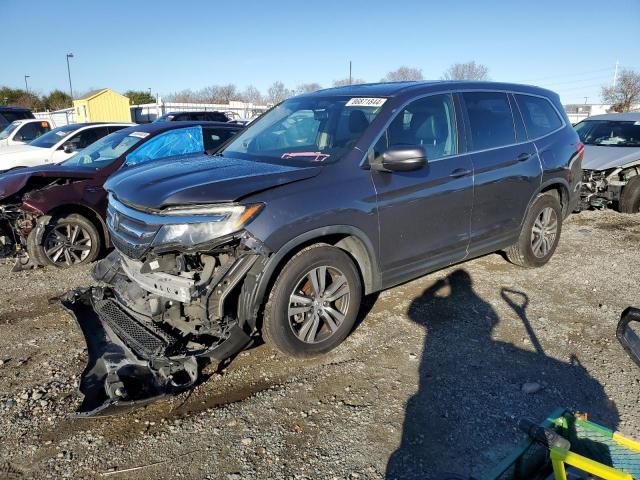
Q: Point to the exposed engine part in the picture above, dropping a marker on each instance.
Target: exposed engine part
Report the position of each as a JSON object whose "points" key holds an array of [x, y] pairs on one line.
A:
{"points": [[601, 188], [159, 320]]}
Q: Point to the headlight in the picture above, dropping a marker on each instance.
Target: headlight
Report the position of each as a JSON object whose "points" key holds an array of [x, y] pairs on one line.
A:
{"points": [[203, 223]]}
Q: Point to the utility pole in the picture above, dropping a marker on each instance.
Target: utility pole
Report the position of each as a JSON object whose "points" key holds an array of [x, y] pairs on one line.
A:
{"points": [[615, 75], [349, 72], [585, 100], [26, 85], [69, 55]]}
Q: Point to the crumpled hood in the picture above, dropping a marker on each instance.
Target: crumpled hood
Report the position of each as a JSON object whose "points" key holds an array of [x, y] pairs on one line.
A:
{"points": [[604, 158], [12, 182], [200, 179]]}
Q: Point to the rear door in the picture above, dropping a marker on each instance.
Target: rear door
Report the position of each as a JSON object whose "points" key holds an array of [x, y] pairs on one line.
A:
{"points": [[424, 214], [507, 169]]}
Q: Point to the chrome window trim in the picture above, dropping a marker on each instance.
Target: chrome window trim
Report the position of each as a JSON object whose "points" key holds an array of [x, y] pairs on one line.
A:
{"points": [[159, 219], [362, 163]]}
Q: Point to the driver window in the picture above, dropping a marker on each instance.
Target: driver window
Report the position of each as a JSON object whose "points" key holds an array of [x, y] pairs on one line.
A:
{"points": [[428, 122], [181, 141]]}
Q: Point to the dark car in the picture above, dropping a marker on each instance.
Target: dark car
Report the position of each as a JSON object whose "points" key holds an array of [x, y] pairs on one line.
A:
{"points": [[211, 116], [11, 114], [56, 212], [327, 197]]}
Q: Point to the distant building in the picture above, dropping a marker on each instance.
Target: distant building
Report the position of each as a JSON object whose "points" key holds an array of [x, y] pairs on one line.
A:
{"points": [[103, 105], [579, 111]]}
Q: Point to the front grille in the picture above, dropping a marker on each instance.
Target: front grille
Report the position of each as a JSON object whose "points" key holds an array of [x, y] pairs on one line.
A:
{"points": [[130, 235], [140, 339]]}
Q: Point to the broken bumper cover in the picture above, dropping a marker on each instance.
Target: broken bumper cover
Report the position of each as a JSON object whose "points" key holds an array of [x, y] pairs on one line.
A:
{"points": [[130, 364]]}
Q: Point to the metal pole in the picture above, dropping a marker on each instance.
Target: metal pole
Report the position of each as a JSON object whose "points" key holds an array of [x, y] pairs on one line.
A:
{"points": [[69, 55], [615, 75], [349, 72], [26, 85]]}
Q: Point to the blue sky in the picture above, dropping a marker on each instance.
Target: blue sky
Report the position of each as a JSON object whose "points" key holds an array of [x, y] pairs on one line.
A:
{"points": [[566, 45]]}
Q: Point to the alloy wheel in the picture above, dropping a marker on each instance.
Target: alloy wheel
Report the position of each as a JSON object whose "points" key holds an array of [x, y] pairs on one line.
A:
{"points": [[318, 304], [544, 232], [67, 245]]}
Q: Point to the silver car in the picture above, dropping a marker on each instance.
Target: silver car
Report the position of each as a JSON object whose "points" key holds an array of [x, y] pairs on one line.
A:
{"points": [[611, 165]]}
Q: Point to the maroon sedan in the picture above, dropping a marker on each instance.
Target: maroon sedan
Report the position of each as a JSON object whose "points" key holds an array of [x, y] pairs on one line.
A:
{"points": [[54, 214]]}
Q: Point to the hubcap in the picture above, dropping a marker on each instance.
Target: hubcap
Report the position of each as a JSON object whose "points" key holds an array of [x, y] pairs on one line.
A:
{"points": [[67, 245], [318, 304], [544, 232]]}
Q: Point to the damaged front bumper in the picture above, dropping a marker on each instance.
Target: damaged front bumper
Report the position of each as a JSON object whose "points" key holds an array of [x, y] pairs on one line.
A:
{"points": [[129, 363], [161, 318]]}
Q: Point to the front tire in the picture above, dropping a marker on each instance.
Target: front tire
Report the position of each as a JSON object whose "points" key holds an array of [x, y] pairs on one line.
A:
{"points": [[630, 196], [540, 233], [314, 302], [67, 242]]}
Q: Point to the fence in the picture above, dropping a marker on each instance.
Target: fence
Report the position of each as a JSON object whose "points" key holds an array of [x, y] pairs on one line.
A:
{"points": [[236, 110], [58, 118]]}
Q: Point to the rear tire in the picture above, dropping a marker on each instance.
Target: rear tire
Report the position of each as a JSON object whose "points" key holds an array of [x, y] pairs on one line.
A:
{"points": [[540, 233], [630, 196], [314, 302], [67, 242]]}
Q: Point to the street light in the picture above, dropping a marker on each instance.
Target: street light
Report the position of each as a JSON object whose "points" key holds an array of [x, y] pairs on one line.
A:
{"points": [[26, 85], [69, 55]]}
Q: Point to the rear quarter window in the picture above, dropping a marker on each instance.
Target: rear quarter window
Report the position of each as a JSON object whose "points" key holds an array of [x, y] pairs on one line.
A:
{"points": [[540, 118]]}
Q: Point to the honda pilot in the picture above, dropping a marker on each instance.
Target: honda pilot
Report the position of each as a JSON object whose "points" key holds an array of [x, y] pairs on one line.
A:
{"points": [[326, 198]]}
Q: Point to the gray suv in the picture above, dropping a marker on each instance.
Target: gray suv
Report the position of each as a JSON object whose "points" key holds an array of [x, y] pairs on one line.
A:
{"points": [[327, 197]]}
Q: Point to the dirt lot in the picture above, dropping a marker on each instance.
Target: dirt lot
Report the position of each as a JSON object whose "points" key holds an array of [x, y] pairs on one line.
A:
{"points": [[431, 380]]}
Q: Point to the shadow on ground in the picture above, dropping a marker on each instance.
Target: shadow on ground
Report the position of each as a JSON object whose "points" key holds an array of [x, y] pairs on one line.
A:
{"points": [[470, 386]]}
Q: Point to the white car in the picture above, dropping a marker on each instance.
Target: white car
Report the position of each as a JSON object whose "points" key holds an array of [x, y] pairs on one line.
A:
{"points": [[57, 145], [23, 131]]}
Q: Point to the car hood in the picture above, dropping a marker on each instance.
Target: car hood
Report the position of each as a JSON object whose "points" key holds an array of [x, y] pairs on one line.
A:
{"points": [[13, 182], [604, 158], [200, 179]]}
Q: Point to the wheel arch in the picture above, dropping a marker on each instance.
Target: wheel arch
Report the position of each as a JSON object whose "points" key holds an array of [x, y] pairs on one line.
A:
{"points": [[89, 213], [349, 239]]}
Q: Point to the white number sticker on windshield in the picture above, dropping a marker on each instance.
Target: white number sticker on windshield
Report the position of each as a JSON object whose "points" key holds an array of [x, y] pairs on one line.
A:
{"points": [[139, 134], [366, 102]]}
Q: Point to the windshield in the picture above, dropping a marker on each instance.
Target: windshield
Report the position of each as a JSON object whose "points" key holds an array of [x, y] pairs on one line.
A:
{"points": [[4, 134], [49, 139], [609, 133], [106, 150], [306, 130]]}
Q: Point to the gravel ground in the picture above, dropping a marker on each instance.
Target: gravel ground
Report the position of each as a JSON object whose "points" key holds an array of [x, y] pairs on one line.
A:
{"points": [[433, 379]]}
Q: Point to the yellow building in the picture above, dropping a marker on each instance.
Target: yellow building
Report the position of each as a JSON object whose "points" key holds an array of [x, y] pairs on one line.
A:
{"points": [[103, 105]]}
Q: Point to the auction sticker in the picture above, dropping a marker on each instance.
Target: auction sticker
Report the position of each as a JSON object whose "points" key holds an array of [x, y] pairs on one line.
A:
{"points": [[366, 102], [139, 134]]}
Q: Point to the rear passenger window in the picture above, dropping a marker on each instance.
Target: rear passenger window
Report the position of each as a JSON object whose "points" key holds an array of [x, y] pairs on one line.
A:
{"points": [[539, 115], [490, 119]]}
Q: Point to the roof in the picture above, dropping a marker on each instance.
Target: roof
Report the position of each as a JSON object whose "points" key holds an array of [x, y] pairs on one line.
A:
{"points": [[95, 93], [14, 109], [617, 117], [390, 89]]}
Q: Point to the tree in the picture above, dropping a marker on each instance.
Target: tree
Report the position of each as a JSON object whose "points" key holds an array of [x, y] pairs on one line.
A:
{"points": [[183, 96], [227, 93], [466, 71], [278, 92], [252, 95], [343, 82], [626, 93], [139, 97], [402, 74], [18, 97], [57, 100], [308, 87]]}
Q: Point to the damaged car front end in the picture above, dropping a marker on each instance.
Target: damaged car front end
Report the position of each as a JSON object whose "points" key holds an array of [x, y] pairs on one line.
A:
{"points": [[171, 303]]}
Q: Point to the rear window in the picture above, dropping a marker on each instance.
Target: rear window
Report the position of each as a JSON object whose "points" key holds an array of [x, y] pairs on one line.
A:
{"points": [[490, 119], [540, 118]]}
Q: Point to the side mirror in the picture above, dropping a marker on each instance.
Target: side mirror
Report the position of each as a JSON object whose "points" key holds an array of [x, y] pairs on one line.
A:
{"points": [[401, 158], [18, 137], [68, 147], [628, 333]]}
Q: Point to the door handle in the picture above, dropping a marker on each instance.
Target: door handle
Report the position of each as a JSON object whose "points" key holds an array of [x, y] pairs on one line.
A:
{"points": [[523, 157], [460, 172]]}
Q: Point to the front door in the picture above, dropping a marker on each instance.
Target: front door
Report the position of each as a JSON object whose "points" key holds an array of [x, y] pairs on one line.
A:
{"points": [[424, 215]]}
